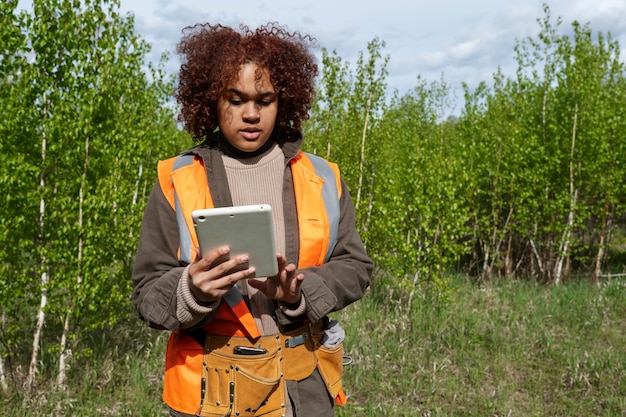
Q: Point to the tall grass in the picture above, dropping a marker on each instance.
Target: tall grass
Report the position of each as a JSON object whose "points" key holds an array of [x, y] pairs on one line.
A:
{"points": [[507, 349], [115, 372], [511, 349]]}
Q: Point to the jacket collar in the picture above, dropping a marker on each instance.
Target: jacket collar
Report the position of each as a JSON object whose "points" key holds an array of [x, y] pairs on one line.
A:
{"points": [[290, 149]]}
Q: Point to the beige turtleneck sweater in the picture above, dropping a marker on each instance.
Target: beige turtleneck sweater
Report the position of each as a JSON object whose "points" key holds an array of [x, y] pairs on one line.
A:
{"points": [[259, 180]]}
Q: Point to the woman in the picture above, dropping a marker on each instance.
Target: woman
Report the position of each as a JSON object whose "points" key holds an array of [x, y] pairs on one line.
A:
{"points": [[244, 95]]}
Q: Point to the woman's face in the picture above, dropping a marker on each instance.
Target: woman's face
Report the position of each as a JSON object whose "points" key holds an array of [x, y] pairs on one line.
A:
{"points": [[247, 109]]}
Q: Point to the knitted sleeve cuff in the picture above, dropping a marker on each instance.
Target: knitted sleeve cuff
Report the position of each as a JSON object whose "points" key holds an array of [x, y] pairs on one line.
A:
{"points": [[293, 310], [188, 310]]}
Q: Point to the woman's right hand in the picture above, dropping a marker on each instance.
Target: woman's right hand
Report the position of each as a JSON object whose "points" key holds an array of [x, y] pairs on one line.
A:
{"points": [[212, 276]]}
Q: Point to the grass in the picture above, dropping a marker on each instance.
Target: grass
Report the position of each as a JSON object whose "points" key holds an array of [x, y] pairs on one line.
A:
{"points": [[507, 349], [513, 349]]}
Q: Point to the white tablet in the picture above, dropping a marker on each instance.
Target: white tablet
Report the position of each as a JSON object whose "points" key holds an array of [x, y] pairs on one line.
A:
{"points": [[245, 229]]}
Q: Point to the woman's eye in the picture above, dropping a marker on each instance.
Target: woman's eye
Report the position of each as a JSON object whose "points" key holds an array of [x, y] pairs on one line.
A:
{"points": [[235, 102]]}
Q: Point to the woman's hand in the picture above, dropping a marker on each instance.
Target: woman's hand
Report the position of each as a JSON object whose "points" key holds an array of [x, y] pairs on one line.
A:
{"points": [[284, 286], [212, 276]]}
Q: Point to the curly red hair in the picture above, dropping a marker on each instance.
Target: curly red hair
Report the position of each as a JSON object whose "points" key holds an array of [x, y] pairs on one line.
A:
{"points": [[212, 56]]}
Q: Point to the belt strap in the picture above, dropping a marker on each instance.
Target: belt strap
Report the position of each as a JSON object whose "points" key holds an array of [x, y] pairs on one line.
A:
{"points": [[298, 340], [199, 335]]}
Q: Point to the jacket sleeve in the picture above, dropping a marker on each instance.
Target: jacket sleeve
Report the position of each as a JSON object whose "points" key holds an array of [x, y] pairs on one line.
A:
{"points": [[347, 274], [157, 271], [159, 294]]}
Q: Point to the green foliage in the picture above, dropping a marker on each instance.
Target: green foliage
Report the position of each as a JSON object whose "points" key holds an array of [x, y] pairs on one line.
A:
{"points": [[417, 220], [344, 122], [84, 121], [541, 146]]}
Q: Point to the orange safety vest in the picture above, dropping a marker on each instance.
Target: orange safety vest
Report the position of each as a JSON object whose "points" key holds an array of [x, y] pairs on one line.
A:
{"points": [[184, 183]]}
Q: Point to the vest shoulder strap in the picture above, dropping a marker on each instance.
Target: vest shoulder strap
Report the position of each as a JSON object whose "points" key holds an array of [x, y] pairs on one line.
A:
{"points": [[186, 241]]}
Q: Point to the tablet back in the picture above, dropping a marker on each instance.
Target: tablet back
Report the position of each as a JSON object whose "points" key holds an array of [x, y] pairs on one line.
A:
{"points": [[245, 229]]}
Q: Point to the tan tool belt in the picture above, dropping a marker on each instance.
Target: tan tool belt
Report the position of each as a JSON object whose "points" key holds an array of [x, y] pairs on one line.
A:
{"points": [[243, 377]]}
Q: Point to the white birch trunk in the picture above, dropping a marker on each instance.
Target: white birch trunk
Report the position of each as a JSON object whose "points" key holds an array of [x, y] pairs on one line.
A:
{"points": [[114, 205], [499, 244], [32, 369], [64, 353], [508, 271], [565, 240], [486, 269], [606, 227], [361, 162], [573, 192], [597, 270], [537, 257], [137, 184], [3, 379]]}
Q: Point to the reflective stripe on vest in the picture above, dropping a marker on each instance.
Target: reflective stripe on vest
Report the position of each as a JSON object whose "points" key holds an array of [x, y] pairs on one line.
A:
{"points": [[183, 179], [186, 245]]}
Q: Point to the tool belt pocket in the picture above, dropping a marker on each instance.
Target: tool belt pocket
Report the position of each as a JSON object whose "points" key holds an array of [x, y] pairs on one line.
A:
{"points": [[242, 385], [330, 367]]}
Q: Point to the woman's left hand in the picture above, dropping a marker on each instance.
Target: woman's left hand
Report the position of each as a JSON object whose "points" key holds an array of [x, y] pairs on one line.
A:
{"points": [[284, 286]]}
